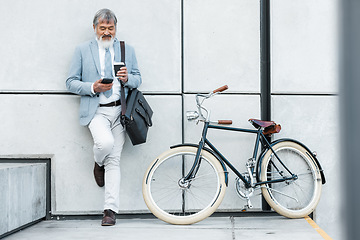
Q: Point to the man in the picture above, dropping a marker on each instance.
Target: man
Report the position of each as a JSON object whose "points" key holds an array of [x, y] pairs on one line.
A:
{"points": [[99, 105]]}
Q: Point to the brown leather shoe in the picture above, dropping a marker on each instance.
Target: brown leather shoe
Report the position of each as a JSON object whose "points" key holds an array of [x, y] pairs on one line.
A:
{"points": [[109, 218], [99, 173]]}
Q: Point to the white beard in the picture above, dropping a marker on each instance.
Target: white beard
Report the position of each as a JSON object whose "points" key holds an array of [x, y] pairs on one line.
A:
{"points": [[106, 43]]}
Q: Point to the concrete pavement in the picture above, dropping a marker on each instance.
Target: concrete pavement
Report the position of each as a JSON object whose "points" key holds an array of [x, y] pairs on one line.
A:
{"points": [[219, 228]]}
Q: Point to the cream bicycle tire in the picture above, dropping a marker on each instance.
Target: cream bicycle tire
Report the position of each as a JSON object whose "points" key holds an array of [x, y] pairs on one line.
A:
{"points": [[201, 198], [293, 198]]}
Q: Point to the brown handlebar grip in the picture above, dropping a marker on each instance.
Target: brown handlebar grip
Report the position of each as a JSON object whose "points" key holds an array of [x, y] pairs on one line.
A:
{"points": [[228, 122], [220, 89]]}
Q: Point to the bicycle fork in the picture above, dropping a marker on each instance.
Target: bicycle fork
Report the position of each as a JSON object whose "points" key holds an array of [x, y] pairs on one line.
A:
{"points": [[197, 161]]}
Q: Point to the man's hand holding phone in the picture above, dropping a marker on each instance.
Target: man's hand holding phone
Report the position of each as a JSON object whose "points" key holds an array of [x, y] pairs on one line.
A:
{"points": [[107, 80], [103, 85]]}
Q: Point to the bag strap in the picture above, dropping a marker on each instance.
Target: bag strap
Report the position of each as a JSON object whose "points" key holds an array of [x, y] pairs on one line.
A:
{"points": [[122, 93], [122, 48]]}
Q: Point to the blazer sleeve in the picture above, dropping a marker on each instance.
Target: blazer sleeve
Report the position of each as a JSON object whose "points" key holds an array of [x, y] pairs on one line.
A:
{"points": [[134, 76], [74, 82]]}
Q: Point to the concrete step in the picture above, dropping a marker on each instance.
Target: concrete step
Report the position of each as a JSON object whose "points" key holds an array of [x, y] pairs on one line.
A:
{"points": [[22, 194]]}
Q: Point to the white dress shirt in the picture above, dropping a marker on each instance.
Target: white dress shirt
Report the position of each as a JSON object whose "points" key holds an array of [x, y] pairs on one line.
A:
{"points": [[116, 85]]}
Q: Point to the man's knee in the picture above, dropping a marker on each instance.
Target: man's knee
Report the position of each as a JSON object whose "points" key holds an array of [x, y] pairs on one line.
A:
{"points": [[105, 146]]}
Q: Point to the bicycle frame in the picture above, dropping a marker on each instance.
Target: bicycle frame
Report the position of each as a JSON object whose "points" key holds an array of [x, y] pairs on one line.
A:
{"points": [[259, 139], [187, 183]]}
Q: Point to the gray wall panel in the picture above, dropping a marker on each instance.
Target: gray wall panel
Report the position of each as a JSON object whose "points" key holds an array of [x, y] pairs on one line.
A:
{"points": [[304, 46], [221, 45], [314, 121]]}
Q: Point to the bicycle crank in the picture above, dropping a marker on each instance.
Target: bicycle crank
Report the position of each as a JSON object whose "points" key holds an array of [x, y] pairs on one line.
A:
{"points": [[243, 192]]}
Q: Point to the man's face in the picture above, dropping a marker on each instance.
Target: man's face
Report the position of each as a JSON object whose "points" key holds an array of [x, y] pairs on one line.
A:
{"points": [[105, 30]]}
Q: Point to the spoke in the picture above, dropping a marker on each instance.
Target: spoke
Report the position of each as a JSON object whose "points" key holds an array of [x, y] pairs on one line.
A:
{"points": [[167, 195], [201, 176], [272, 189], [302, 174]]}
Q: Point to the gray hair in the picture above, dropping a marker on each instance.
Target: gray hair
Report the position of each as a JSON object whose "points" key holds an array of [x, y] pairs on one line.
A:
{"points": [[104, 14]]}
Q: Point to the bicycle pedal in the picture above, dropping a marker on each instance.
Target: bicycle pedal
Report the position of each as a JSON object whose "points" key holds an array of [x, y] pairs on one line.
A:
{"points": [[246, 207], [249, 205]]}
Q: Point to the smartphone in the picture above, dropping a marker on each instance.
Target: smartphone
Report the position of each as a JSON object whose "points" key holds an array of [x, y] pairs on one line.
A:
{"points": [[107, 80]]}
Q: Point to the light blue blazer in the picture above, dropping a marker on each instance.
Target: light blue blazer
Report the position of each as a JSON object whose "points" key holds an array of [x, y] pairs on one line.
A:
{"points": [[85, 70]]}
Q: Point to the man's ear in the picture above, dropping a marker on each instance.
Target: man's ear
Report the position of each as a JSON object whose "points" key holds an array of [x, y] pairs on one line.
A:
{"points": [[94, 26]]}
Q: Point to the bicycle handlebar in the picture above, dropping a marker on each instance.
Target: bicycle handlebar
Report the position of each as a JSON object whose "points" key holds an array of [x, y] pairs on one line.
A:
{"points": [[221, 89], [200, 107]]}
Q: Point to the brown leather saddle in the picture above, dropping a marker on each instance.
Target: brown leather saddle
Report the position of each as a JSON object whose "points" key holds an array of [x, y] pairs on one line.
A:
{"points": [[270, 127]]}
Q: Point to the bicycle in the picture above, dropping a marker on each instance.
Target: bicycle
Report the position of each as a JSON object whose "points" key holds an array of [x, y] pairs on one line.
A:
{"points": [[187, 183]]}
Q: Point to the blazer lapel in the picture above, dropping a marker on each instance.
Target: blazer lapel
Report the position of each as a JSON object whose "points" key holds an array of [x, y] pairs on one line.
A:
{"points": [[117, 50], [95, 53]]}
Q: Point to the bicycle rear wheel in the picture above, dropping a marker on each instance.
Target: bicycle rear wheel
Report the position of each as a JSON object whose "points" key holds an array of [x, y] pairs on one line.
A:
{"points": [[291, 198], [175, 201]]}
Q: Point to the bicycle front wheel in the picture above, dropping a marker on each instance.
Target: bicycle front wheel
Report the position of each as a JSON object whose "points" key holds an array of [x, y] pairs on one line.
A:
{"points": [[293, 198], [176, 201]]}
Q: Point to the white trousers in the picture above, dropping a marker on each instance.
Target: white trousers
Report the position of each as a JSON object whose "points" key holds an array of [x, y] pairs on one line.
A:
{"points": [[109, 137]]}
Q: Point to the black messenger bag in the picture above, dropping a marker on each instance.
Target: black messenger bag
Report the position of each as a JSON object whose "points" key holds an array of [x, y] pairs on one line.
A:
{"points": [[137, 117], [136, 113]]}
